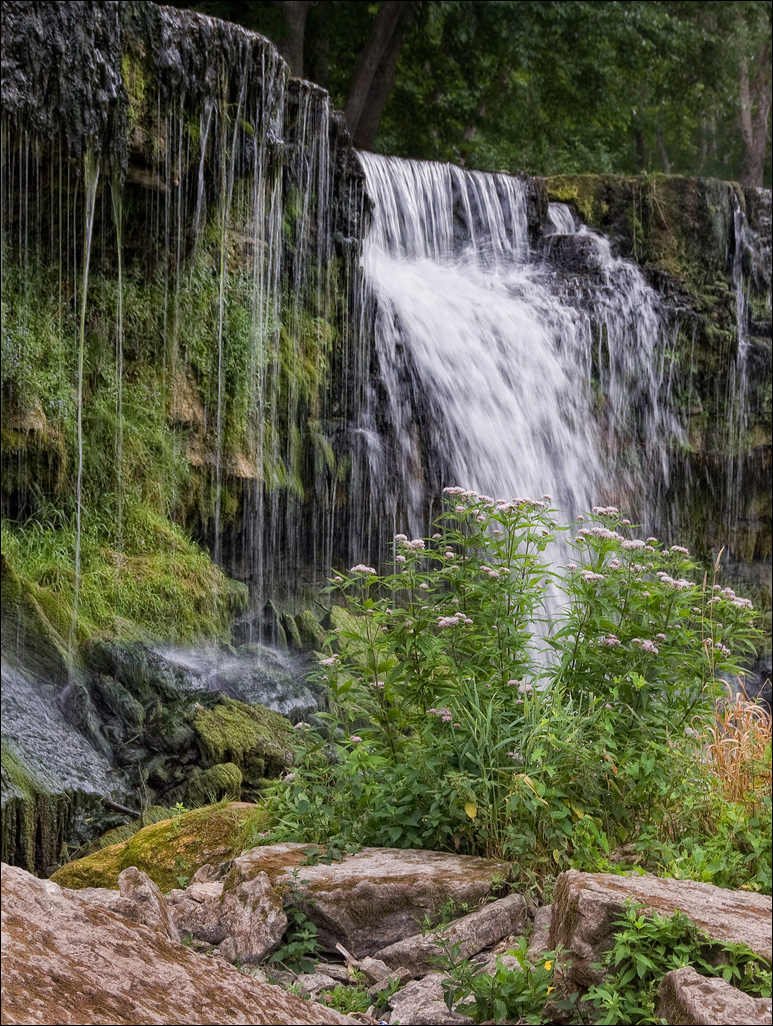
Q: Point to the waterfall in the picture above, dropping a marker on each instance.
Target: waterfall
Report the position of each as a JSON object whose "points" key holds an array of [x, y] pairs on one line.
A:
{"points": [[505, 366]]}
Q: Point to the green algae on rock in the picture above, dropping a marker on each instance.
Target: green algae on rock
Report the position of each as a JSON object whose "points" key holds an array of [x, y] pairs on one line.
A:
{"points": [[167, 851]]}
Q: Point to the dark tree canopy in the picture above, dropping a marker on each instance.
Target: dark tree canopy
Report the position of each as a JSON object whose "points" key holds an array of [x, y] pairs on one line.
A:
{"points": [[545, 86]]}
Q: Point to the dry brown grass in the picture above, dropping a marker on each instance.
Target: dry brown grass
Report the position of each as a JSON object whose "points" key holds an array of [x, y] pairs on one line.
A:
{"points": [[739, 749]]}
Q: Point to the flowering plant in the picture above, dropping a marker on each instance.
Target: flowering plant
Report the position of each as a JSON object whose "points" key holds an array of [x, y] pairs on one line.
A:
{"points": [[502, 704]]}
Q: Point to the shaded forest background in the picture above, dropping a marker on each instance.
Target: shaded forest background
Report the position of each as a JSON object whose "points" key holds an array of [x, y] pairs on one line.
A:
{"points": [[564, 86]]}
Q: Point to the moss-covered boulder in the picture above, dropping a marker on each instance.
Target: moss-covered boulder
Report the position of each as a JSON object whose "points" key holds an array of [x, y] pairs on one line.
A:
{"points": [[311, 631], [169, 851], [255, 739]]}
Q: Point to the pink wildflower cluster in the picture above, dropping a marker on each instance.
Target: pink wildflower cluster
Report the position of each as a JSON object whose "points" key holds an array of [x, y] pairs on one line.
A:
{"points": [[330, 661], [524, 688], [589, 575], [494, 574], [444, 714], [633, 543], [679, 584], [680, 548], [716, 646], [516, 756], [604, 532], [355, 739], [360, 568], [301, 725], [610, 641], [605, 511], [646, 645], [453, 621]]}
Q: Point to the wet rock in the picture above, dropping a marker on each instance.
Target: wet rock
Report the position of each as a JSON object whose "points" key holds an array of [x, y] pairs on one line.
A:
{"points": [[688, 998], [68, 961], [422, 1003], [311, 631], [586, 905], [285, 693], [472, 933]]}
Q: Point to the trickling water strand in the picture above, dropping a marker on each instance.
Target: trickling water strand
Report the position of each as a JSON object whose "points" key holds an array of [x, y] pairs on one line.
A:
{"points": [[90, 182], [486, 356], [117, 208], [737, 384]]}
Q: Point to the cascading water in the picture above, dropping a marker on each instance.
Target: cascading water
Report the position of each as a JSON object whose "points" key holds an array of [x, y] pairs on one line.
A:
{"points": [[499, 367]]}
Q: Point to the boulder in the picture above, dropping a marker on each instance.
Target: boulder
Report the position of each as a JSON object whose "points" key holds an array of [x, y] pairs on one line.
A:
{"points": [[68, 961], [138, 899], [252, 916], [586, 906], [422, 1002], [170, 850], [472, 933], [196, 911], [377, 897], [686, 997]]}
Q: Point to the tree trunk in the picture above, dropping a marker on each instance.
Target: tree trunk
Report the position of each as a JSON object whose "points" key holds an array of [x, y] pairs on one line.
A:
{"points": [[756, 94], [374, 76], [295, 12]]}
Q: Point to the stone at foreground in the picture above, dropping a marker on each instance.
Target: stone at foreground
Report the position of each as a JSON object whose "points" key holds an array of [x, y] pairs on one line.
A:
{"points": [[379, 896], [65, 960], [686, 998], [586, 905], [421, 1003], [472, 933]]}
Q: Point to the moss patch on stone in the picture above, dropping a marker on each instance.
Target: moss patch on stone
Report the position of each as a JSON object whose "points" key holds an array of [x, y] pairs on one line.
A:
{"points": [[311, 631], [168, 850], [260, 742], [221, 781]]}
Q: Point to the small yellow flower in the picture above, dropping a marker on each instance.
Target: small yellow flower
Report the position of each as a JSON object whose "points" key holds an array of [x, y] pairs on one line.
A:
{"points": [[550, 990], [548, 965]]}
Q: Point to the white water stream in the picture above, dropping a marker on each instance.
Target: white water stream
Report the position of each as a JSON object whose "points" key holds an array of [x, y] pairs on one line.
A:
{"points": [[500, 369]]}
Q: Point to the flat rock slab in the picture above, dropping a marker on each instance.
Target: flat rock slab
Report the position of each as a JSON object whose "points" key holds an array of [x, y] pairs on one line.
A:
{"points": [[686, 998], [379, 896], [68, 961], [468, 935], [586, 905]]}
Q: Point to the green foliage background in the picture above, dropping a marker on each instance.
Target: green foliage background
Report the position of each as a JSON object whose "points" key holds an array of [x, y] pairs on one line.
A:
{"points": [[556, 87]]}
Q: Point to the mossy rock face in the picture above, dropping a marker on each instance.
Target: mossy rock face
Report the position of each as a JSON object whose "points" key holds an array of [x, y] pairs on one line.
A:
{"points": [[26, 625], [168, 850], [291, 632], [683, 226], [311, 631], [260, 742]]}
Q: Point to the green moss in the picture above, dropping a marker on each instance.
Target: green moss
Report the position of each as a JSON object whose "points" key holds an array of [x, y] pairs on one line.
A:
{"points": [[210, 785], [204, 836], [587, 193], [34, 821], [120, 834], [292, 634], [311, 631], [257, 740], [135, 83]]}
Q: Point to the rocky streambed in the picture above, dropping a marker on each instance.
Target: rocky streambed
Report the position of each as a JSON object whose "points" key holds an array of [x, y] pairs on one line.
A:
{"points": [[382, 919]]}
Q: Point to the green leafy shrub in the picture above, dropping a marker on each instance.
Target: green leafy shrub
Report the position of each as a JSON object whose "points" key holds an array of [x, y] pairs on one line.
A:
{"points": [[647, 946], [466, 716]]}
